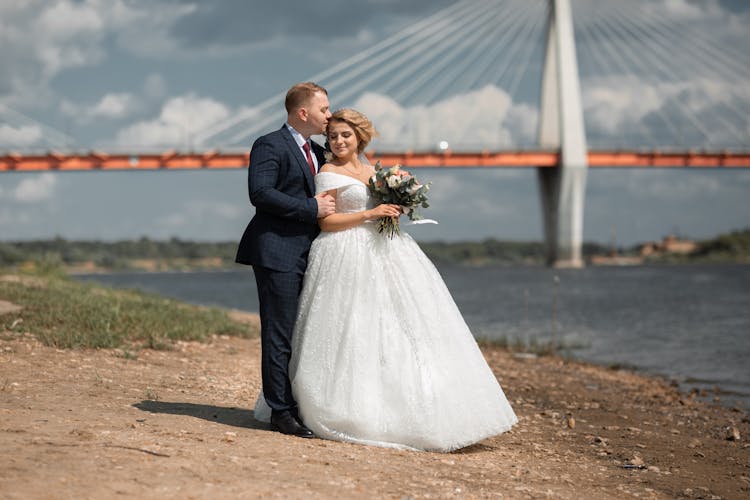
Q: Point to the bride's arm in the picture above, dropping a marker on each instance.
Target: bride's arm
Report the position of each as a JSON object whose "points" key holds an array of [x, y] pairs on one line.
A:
{"points": [[340, 222]]}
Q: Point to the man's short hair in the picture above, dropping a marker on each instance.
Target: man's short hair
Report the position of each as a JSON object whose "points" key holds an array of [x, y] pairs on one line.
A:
{"points": [[301, 94]]}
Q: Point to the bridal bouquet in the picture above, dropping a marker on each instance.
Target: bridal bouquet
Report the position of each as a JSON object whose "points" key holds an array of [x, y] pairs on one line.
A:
{"points": [[397, 186]]}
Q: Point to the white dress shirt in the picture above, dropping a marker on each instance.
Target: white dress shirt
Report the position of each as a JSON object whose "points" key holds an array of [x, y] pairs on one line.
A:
{"points": [[300, 140]]}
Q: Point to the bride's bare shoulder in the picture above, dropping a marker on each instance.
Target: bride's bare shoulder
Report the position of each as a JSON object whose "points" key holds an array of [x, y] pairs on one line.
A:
{"points": [[329, 167]]}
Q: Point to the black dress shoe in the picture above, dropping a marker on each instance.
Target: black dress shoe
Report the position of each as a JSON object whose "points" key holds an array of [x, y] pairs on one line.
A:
{"points": [[285, 423]]}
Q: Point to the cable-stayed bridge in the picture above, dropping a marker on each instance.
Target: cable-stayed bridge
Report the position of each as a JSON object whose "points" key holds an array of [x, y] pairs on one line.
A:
{"points": [[558, 85]]}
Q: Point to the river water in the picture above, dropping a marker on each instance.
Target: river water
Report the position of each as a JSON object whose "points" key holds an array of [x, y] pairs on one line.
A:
{"points": [[690, 323]]}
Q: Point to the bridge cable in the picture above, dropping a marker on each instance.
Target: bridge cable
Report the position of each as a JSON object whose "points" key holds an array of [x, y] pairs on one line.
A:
{"points": [[476, 38], [727, 55], [590, 43], [509, 37], [710, 67], [345, 76], [449, 77], [496, 43], [434, 39], [274, 100], [670, 37], [650, 70], [392, 63], [534, 35], [49, 134], [528, 37], [479, 43], [526, 19], [647, 73], [666, 58], [523, 34]]}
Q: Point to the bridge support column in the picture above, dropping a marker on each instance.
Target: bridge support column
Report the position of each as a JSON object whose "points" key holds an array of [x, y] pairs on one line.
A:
{"points": [[561, 126]]}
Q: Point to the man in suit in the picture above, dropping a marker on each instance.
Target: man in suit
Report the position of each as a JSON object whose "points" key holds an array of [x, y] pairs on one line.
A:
{"points": [[277, 240]]}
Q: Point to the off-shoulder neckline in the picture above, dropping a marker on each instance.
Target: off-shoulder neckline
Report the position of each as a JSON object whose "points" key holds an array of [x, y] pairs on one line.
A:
{"points": [[344, 175]]}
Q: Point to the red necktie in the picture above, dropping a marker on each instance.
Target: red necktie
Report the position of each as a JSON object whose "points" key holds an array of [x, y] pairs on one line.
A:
{"points": [[306, 147]]}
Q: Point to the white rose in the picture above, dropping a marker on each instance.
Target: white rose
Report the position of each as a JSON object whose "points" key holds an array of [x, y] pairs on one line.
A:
{"points": [[394, 181]]}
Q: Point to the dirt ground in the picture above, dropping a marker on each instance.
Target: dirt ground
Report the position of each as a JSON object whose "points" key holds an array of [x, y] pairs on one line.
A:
{"points": [[178, 424]]}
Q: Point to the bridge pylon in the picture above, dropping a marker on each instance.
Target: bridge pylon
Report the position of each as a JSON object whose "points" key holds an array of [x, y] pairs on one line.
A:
{"points": [[562, 188]]}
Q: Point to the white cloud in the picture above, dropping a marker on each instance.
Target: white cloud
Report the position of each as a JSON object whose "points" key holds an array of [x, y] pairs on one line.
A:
{"points": [[482, 119], [524, 120], [67, 35], [611, 102], [683, 9], [42, 38], [115, 105], [143, 27], [19, 137], [35, 189], [179, 120], [485, 118], [696, 111]]}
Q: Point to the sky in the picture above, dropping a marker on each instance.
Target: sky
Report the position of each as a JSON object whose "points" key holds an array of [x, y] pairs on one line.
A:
{"points": [[138, 75]]}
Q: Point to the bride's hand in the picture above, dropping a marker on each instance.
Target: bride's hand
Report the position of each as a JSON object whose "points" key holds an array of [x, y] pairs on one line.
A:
{"points": [[384, 210]]}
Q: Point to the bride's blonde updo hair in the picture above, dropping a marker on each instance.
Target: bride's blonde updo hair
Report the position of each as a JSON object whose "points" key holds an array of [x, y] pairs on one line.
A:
{"points": [[362, 126]]}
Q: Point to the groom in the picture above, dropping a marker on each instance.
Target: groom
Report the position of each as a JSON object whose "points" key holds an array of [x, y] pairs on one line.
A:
{"points": [[277, 239]]}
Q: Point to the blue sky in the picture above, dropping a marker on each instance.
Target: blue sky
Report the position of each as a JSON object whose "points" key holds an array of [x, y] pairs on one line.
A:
{"points": [[152, 75]]}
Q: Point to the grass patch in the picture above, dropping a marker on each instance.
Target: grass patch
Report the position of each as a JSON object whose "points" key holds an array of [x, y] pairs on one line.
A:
{"points": [[67, 314]]}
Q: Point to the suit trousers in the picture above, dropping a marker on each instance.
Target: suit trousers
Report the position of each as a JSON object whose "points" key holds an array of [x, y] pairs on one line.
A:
{"points": [[278, 296]]}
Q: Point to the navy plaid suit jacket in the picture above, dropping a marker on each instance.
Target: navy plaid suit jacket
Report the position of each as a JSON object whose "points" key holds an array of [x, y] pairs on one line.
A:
{"points": [[281, 188]]}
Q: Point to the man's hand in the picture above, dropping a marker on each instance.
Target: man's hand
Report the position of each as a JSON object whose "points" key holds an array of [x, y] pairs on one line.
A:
{"points": [[326, 205]]}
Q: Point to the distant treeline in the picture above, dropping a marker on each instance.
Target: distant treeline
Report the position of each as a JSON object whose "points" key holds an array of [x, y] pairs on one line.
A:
{"points": [[181, 253], [493, 251], [729, 247], [116, 254], [177, 253]]}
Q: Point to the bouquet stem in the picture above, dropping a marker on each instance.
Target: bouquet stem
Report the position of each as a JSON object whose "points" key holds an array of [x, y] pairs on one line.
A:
{"points": [[389, 226]]}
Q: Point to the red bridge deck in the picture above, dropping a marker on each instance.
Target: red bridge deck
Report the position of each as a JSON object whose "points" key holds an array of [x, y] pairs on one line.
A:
{"points": [[221, 160]]}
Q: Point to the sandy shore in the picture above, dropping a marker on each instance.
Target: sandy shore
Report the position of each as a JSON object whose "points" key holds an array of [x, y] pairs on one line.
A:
{"points": [[178, 424]]}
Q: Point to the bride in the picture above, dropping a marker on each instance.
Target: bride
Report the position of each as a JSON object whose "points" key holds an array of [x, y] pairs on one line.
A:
{"points": [[381, 354]]}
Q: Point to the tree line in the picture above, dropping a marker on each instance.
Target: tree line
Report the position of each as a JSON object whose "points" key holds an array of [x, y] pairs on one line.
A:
{"points": [[120, 255]]}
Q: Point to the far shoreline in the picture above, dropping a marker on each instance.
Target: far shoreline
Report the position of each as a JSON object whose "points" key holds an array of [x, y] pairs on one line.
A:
{"points": [[177, 254], [157, 268]]}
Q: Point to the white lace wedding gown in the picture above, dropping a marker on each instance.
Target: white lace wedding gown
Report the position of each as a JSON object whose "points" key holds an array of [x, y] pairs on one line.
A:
{"points": [[381, 354]]}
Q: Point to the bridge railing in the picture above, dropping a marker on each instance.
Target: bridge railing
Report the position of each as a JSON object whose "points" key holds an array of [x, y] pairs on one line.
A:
{"points": [[93, 160]]}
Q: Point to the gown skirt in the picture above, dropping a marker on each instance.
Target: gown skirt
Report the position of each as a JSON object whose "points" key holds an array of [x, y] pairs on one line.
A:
{"points": [[381, 354]]}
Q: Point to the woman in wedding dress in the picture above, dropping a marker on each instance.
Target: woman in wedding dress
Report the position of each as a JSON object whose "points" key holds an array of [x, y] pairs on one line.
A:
{"points": [[381, 354]]}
